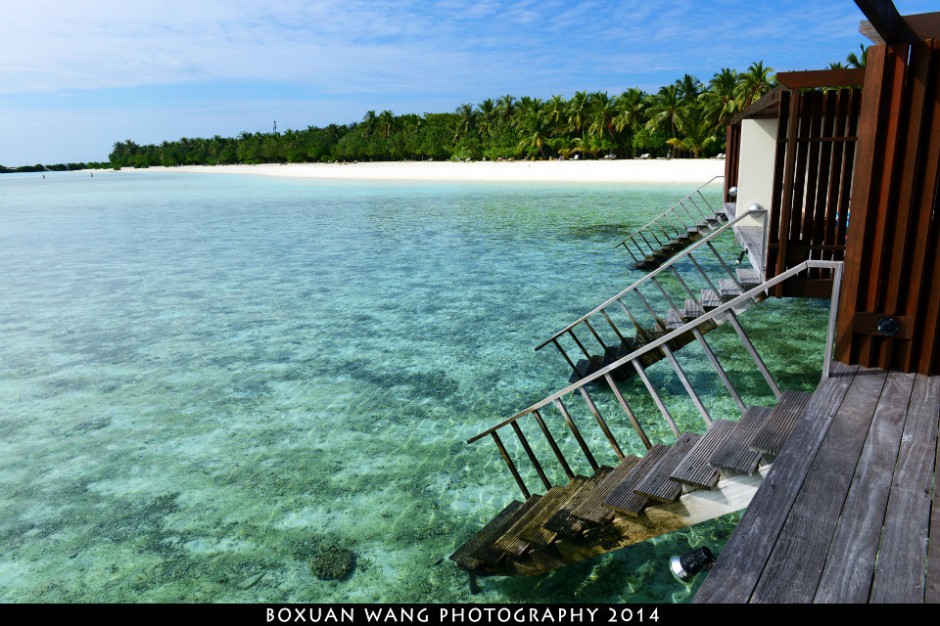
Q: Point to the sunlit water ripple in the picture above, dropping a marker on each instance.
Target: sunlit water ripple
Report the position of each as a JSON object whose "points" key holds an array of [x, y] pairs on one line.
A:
{"points": [[206, 379]]}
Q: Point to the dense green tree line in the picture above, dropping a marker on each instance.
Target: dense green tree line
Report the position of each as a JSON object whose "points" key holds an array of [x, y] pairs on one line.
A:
{"points": [[686, 118], [58, 167]]}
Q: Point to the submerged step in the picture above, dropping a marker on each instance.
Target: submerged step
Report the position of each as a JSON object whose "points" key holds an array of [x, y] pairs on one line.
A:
{"points": [[479, 551], [592, 509], [534, 532], [510, 542], [563, 523]]}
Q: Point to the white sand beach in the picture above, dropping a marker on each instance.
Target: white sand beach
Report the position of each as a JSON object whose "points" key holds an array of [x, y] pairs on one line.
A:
{"points": [[618, 171]]}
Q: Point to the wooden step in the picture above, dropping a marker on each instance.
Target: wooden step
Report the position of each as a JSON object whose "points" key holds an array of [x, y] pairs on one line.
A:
{"points": [[478, 550], [694, 469], [510, 542], [592, 510], [748, 277], [673, 321], [691, 309], [534, 531], [710, 299], [735, 454], [728, 289], [656, 485], [622, 498], [775, 430], [563, 523]]}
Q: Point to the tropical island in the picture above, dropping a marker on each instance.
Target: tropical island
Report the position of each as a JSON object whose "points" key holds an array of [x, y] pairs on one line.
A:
{"points": [[684, 119]]}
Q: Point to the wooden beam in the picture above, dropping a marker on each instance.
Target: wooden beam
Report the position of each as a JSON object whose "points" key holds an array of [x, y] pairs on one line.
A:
{"points": [[886, 21], [924, 26], [822, 78], [767, 106]]}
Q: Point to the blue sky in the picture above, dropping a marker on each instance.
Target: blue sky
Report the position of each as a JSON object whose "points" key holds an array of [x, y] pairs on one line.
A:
{"points": [[77, 76]]}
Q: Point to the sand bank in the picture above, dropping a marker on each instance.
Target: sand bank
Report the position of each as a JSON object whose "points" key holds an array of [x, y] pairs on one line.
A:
{"points": [[620, 171]]}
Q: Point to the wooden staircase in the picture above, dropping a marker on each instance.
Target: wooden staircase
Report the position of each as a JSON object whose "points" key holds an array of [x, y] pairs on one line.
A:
{"points": [[698, 476], [700, 277], [676, 228], [552, 530]]}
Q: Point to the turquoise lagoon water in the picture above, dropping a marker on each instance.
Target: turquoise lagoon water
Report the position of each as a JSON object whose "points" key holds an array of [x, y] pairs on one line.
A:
{"points": [[206, 379]]}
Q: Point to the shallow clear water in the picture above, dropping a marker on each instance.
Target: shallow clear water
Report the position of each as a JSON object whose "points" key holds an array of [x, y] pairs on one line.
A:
{"points": [[204, 379]]}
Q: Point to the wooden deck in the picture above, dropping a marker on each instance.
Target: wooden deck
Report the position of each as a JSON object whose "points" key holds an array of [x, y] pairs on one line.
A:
{"points": [[849, 511]]}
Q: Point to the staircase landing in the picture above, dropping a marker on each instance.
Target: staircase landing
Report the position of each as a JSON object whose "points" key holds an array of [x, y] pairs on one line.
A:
{"points": [[852, 513]]}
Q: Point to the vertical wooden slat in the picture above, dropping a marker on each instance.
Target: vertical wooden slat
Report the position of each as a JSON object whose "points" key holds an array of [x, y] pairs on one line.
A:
{"points": [[826, 148], [776, 208], [923, 201], [885, 179], [811, 172], [875, 107], [927, 304], [786, 202], [798, 197], [732, 158], [837, 183], [904, 241]]}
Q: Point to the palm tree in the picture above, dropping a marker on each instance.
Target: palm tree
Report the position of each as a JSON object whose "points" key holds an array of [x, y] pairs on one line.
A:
{"points": [[369, 121], [487, 110], [556, 110], [698, 132], [719, 98], [755, 82], [664, 110], [690, 88], [856, 61], [603, 110], [535, 133], [631, 110], [507, 107], [385, 124], [577, 113], [466, 120]]}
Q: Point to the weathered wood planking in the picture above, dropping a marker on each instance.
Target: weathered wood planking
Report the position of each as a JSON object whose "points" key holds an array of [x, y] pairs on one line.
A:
{"points": [[534, 532], [775, 430], [563, 523], [900, 573], [622, 498], [849, 569], [893, 255], [592, 509], [796, 563], [694, 469], [932, 590], [467, 555], [657, 485], [739, 566], [510, 542], [735, 453]]}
